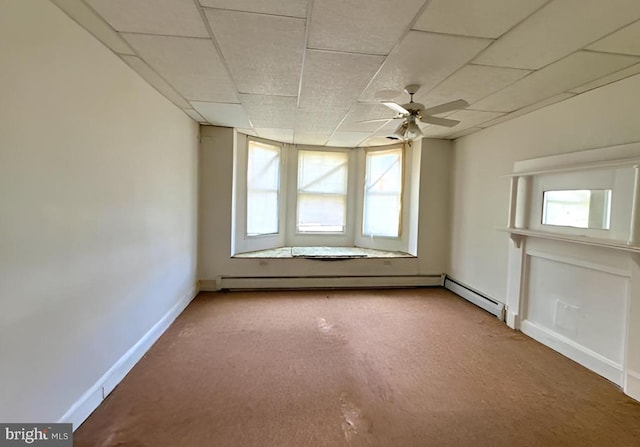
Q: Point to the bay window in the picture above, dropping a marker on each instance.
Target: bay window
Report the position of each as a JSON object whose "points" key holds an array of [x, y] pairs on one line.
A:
{"points": [[300, 196]]}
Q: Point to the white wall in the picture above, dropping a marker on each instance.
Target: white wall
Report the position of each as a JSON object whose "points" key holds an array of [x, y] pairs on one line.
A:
{"points": [[98, 196], [582, 301], [216, 183], [480, 194]]}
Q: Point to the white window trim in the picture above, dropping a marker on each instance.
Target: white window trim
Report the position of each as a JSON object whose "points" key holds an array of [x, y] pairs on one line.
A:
{"points": [[308, 238], [242, 241], [406, 241], [278, 191], [320, 194], [287, 233], [402, 190]]}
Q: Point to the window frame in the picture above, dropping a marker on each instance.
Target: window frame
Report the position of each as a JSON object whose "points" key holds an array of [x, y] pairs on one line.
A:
{"points": [[403, 178], [279, 191], [240, 241], [406, 241], [347, 198]]}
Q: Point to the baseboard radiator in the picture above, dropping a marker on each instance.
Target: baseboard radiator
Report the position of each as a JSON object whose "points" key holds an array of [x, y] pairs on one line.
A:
{"points": [[492, 306], [318, 282]]}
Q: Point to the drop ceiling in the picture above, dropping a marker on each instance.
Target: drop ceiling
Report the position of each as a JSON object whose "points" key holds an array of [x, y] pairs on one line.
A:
{"points": [[309, 71]]}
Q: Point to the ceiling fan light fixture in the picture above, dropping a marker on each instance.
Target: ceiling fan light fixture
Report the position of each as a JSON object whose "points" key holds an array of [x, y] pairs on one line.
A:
{"points": [[413, 130], [408, 130], [413, 112], [399, 133]]}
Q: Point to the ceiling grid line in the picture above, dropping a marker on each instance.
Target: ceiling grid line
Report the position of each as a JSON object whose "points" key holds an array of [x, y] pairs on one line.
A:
{"points": [[133, 53], [216, 45], [133, 33], [103, 22], [304, 58], [209, 8], [349, 55], [409, 27]]}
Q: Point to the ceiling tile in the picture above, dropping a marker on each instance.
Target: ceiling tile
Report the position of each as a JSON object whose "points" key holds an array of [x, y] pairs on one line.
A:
{"points": [[363, 112], [156, 81], [259, 52], [290, 8], [347, 139], [465, 132], [574, 70], [195, 116], [423, 58], [557, 29], [618, 75], [220, 114], [191, 65], [437, 131], [334, 80], [251, 132], [263, 52], [165, 17], [528, 109], [87, 17], [282, 135], [270, 111], [310, 139], [481, 18], [361, 26], [390, 126], [626, 41], [377, 141], [472, 83], [318, 120], [467, 118], [471, 118]]}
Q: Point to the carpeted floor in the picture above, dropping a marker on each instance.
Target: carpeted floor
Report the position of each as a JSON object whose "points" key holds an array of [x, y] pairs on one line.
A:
{"points": [[415, 367]]}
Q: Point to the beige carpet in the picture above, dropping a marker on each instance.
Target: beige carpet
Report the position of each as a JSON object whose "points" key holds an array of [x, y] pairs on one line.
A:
{"points": [[416, 367]]}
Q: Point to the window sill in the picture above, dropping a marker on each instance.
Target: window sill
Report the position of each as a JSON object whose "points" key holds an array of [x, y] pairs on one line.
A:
{"points": [[323, 253]]}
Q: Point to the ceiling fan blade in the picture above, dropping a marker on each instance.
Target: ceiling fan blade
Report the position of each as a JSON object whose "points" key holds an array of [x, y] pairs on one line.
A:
{"points": [[439, 121], [447, 107], [396, 107], [380, 120]]}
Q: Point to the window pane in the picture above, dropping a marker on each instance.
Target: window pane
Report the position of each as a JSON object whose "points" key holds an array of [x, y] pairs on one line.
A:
{"points": [[322, 172], [321, 213], [383, 193], [262, 213], [322, 191], [263, 185], [263, 170], [380, 219], [384, 172]]}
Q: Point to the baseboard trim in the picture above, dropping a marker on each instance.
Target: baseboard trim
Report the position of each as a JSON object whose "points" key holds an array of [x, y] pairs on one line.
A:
{"points": [[492, 306], [93, 397], [513, 320], [632, 384], [318, 282], [575, 351]]}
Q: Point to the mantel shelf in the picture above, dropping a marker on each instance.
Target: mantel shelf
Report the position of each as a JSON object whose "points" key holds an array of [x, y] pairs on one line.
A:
{"points": [[584, 240]]}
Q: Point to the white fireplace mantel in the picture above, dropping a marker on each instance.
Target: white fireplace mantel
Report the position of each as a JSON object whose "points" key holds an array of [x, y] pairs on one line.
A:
{"points": [[578, 290]]}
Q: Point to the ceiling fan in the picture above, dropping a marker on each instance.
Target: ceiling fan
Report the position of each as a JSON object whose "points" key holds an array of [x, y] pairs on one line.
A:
{"points": [[414, 112]]}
